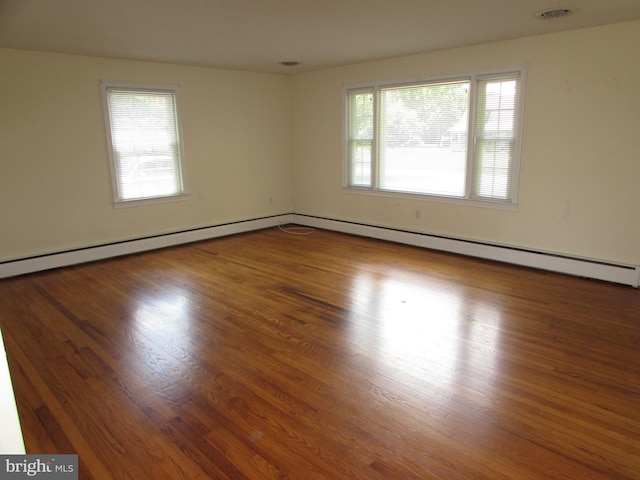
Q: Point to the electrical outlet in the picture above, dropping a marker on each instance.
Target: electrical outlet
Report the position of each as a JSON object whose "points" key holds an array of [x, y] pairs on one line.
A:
{"points": [[418, 214]]}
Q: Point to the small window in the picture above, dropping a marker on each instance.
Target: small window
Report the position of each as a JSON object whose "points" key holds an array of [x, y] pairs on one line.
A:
{"points": [[360, 137], [144, 142], [456, 139]]}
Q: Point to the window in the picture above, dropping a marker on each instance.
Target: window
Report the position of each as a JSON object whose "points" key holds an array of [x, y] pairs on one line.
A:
{"points": [[456, 139], [144, 142]]}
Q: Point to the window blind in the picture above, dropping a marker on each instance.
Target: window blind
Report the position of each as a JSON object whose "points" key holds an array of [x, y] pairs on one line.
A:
{"points": [[145, 142], [495, 136], [423, 138]]}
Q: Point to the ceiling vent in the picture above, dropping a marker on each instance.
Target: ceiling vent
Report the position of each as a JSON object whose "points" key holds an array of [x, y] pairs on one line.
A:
{"points": [[555, 13]]}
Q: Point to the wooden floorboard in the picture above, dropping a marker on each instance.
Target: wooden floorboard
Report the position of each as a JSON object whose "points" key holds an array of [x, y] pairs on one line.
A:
{"points": [[324, 356]]}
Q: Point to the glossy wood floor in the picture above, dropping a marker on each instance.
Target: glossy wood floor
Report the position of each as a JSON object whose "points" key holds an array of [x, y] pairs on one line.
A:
{"points": [[269, 355]]}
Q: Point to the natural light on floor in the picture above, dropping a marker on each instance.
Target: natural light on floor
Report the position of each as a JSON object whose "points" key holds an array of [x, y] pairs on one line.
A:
{"points": [[418, 326]]}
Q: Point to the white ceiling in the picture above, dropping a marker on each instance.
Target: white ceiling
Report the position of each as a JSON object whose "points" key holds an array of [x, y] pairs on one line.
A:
{"points": [[258, 34]]}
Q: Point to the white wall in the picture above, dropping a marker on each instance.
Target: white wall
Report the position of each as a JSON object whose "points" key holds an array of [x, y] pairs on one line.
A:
{"points": [[579, 191], [250, 137], [55, 191]]}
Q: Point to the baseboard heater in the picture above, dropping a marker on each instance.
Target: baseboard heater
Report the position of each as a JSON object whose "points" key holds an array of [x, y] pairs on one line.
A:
{"points": [[588, 268], [581, 267], [48, 261]]}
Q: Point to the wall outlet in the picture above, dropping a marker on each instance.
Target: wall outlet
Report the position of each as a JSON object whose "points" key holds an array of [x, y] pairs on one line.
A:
{"points": [[418, 214]]}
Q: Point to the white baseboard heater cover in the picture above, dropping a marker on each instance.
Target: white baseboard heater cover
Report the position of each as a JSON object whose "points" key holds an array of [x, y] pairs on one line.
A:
{"points": [[594, 269], [101, 252]]}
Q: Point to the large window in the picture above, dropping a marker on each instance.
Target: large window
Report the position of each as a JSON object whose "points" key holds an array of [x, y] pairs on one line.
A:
{"points": [[449, 139], [144, 142]]}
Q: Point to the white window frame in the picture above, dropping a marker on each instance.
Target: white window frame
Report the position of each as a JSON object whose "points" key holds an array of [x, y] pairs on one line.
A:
{"points": [[174, 89], [472, 77]]}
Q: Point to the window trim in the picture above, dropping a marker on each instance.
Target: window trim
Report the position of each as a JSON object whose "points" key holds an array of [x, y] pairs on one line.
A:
{"points": [[468, 200], [105, 85]]}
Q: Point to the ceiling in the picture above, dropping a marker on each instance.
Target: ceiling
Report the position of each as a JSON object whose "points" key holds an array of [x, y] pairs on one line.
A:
{"points": [[257, 35]]}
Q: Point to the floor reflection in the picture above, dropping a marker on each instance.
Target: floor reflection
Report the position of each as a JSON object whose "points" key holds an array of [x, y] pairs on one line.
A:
{"points": [[162, 331], [430, 329], [166, 310]]}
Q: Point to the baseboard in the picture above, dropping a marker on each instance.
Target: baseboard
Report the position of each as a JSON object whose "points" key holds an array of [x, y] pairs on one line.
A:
{"points": [[588, 268], [88, 254]]}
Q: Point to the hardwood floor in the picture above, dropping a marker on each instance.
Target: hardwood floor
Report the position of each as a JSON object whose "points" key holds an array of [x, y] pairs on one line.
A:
{"points": [[324, 356]]}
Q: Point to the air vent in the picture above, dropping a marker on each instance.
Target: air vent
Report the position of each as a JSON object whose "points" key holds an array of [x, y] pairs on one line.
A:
{"points": [[290, 63], [554, 14]]}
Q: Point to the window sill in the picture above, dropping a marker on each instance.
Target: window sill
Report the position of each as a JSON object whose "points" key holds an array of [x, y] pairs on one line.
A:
{"points": [[151, 201], [495, 205]]}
